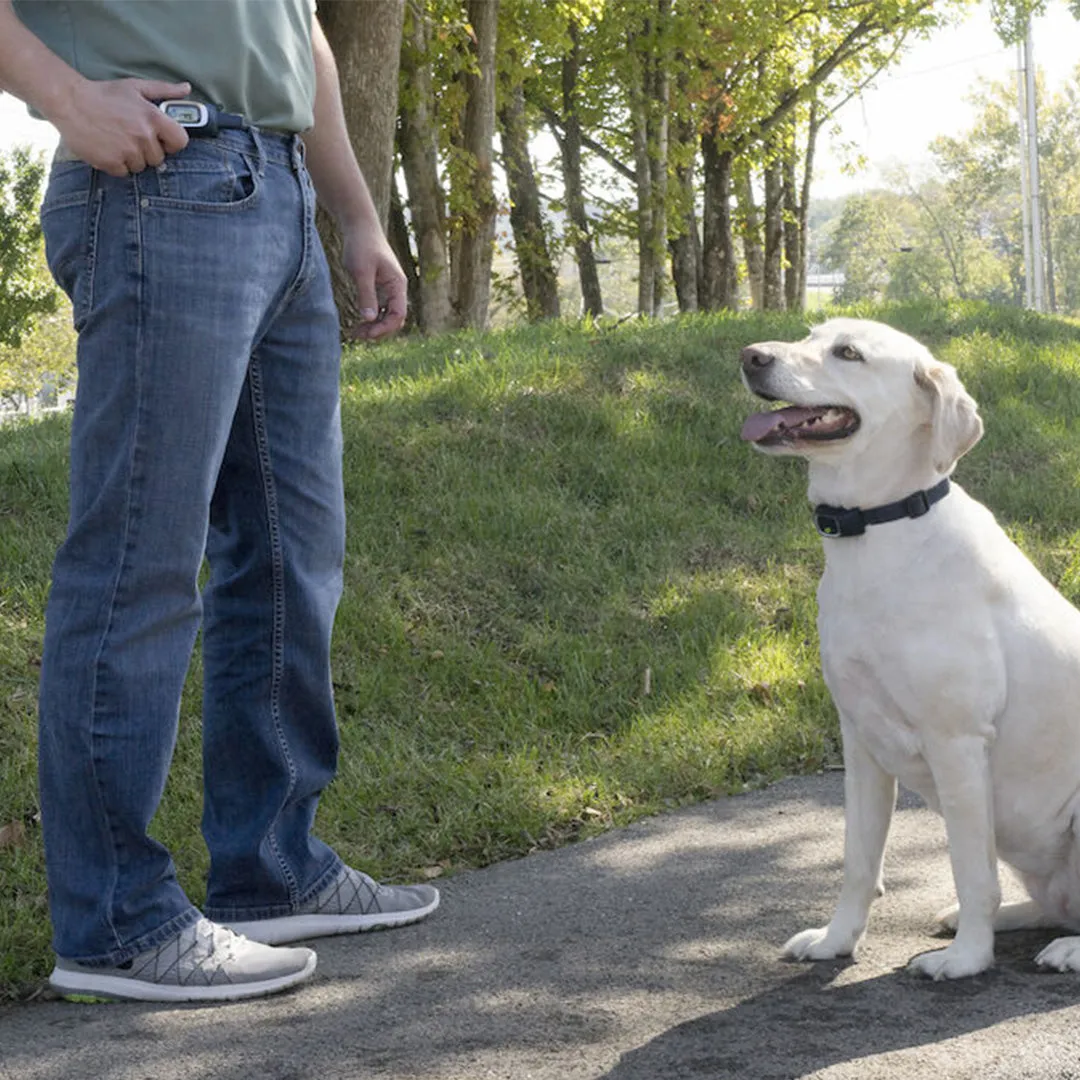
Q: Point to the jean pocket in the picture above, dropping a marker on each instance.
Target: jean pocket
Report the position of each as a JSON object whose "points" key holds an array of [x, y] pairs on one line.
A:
{"points": [[203, 177], [70, 213]]}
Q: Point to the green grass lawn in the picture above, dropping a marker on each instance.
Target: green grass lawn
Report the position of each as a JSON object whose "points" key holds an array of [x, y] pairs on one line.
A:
{"points": [[573, 596]]}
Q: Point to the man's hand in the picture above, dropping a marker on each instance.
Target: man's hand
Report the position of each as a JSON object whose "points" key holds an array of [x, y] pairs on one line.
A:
{"points": [[381, 286], [114, 126]]}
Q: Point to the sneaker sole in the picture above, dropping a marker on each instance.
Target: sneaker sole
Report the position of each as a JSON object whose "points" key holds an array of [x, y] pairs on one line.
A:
{"points": [[87, 985], [289, 928]]}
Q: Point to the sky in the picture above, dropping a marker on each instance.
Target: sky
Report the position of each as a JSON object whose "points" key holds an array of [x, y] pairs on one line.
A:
{"points": [[925, 95], [891, 122]]}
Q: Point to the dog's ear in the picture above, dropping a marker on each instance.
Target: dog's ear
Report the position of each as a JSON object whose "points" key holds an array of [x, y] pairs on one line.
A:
{"points": [[955, 424]]}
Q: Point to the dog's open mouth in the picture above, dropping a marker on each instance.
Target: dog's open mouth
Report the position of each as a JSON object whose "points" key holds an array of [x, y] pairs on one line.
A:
{"points": [[800, 423]]}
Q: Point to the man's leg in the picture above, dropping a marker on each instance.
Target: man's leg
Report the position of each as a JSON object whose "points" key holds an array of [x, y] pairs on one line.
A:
{"points": [[166, 321], [276, 550]]}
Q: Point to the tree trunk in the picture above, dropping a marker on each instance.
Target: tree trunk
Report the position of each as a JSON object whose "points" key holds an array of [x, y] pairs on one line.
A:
{"points": [[793, 256], [812, 129], [772, 293], [639, 128], [397, 232], [366, 41], [659, 137], [473, 278], [686, 244], [718, 251], [649, 104], [570, 146], [538, 278], [750, 227], [418, 143]]}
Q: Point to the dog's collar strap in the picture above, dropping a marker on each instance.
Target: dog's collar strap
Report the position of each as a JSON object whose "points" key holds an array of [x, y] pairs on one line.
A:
{"points": [[836, 521]]}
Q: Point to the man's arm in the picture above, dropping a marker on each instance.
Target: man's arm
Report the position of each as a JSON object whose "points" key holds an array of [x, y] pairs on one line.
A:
{"points": [[380, 284], [110, 125]]}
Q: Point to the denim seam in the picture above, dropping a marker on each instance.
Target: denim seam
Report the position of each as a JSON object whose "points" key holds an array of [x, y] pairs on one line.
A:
{"points": [[83, 304], [277, 585], [126, 541]]}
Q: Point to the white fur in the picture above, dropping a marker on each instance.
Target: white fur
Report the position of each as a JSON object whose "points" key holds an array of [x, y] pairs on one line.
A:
{"points": [[954, 665]]}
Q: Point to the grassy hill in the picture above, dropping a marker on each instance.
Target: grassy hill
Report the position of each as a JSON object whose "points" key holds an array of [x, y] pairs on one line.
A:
{"points": [[573, 596]]}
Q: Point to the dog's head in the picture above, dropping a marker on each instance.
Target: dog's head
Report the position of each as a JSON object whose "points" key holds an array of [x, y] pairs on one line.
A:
{"points": [[859, 389]]}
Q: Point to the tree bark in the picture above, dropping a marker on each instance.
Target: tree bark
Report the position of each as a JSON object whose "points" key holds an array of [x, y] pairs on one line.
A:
{"points": [[659, 98], [539, 280], [397, 232], [793, 256], [686, 243], [750, 228], [649, 103], [772, 293], [639, 129], [570, 147], [718, 250], [366, 41], [473, 277], [418, 144], [813, 127]]}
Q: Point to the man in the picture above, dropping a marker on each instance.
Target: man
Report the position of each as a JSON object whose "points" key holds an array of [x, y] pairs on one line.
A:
{"points": [[206, 421]]}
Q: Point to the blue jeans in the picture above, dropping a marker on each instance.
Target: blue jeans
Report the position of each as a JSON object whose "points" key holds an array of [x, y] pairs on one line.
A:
{"points": [[206, 422]]}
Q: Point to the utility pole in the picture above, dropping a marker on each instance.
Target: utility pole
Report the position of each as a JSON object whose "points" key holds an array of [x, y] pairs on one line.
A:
{"points": [[1034, 263]]}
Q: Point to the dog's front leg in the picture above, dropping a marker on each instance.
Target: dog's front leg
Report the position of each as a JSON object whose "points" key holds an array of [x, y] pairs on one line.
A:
{"points": [[869, 798], [961, 770]]}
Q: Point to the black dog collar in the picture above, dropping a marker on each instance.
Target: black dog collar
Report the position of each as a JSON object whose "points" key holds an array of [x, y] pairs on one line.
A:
{"points": [[835, 521]]}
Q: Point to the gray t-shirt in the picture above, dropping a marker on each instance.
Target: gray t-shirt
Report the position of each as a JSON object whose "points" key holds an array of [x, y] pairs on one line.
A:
{"points": [[247, 56]]}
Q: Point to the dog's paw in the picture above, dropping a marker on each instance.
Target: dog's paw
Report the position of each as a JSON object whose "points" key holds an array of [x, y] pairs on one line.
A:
{"points": [[1062, 954], [819, 944], [951, 963]]}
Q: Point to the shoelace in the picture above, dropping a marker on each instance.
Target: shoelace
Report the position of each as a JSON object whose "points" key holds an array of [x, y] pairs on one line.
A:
{"points": [[220, 949]]}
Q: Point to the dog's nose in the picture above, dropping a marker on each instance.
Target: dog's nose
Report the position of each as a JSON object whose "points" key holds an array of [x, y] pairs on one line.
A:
{"points": [[754, 358]]}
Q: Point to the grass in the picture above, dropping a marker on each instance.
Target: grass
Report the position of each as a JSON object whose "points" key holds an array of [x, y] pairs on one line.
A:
{"points": [[573, 596]]}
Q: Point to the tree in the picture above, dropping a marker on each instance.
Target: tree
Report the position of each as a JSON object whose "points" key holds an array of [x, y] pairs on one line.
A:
{"points": [[538, 278], [36, 347], [418, 141], [25, 292], [566, 126], [366, 40], [477, 207], [658, 107], [862, 246], [521, 25], [649, 51], [768, 72]]}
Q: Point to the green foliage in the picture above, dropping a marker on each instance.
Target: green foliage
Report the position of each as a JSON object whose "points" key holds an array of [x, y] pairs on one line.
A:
{"points": [[43, 365], [24, 293], [864, 244], [35, 351], [744, 73], [961, 226]]}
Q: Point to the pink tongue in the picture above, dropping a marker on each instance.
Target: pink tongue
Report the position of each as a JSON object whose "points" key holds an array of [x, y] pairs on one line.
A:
{"points": [[761, 424]]}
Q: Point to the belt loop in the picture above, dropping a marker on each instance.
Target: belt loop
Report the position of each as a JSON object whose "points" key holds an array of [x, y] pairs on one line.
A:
{"points": [[260, 151], [299, 153]]}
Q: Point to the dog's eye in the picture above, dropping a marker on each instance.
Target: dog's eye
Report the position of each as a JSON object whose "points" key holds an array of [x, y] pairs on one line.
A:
{"points": [[847, 352]]}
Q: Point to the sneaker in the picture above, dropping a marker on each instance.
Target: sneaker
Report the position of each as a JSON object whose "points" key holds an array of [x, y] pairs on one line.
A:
{"points": [[348, 905], [205, 962]]}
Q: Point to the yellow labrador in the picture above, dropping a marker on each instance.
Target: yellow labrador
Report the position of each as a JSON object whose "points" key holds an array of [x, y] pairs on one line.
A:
{"points": [[954, 665]]}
